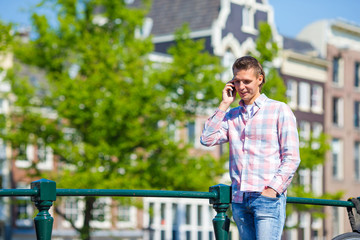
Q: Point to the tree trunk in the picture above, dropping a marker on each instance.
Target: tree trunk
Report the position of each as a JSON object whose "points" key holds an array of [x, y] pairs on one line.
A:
{"points": [[85, 230]]}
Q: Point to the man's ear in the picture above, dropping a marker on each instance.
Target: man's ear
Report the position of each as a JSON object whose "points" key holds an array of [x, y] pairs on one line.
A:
{"points": [[260, 79]]}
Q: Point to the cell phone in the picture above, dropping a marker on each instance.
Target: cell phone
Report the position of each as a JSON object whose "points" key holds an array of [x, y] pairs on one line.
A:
{"points": [[231, 93]]}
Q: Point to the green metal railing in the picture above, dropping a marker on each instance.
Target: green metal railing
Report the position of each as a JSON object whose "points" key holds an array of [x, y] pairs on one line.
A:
{"points": [[43, 192]]}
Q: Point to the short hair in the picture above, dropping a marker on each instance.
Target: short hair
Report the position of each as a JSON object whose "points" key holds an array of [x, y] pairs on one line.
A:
{"points": [[248, 62]]}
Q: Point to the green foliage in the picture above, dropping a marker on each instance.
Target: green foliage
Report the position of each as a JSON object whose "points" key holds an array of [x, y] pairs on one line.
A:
{"points": [[265, 46], [313, 151], [5, 37], [105, 108], [274, 87], [266, 51]]}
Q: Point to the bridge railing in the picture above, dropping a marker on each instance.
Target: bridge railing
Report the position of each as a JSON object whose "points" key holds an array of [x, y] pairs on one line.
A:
{"points": [[44, 192]]}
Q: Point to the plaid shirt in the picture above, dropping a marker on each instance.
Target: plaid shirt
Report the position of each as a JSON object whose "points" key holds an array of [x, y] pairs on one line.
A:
{"points": [[264, 148]]}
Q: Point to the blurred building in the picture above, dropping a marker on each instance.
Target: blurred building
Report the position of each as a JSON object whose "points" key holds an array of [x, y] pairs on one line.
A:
{"points": [[321, 70], [338, 42]]}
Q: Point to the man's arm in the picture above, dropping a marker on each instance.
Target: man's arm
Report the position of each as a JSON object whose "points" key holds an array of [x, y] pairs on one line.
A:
{"points": [[216, 128], [289, 150]]}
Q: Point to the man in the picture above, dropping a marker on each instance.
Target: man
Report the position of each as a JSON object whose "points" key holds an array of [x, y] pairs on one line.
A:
{"points": [[264, 151]]}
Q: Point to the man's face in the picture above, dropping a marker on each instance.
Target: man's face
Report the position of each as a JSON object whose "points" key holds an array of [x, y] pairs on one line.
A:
{"points": [[247, 84]]}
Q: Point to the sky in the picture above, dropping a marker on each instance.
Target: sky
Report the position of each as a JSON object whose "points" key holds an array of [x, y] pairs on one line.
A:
{"points": [[291, 16]]}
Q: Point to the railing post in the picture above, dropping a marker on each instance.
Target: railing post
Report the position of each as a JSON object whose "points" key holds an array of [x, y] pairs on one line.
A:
{"points": [[43, 201], [221, 222]]}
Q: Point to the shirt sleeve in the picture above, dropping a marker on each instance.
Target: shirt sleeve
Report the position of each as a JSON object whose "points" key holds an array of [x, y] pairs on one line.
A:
{"points": [[216, 130], [289, 150]]}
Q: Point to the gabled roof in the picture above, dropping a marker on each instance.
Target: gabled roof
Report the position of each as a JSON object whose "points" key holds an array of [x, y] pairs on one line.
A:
{"points": [[169, 15]]}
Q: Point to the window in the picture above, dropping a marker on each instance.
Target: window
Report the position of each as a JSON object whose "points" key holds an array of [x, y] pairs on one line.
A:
{"points": [[227, 61], [172, 129], [188, 214], [291, 93], [23, 209], [357, 75], [24, 212], [101, 213], [316, 133], [337, 158], [25, 155], [338, 67], [357, 114], [337, 221], [304, 178], [357, 160], [317, 99], [191, 133], [145, 30], [199, 215], [174, 214], [2, 151], [162, 213], [44, 156], [304, 97], [304, 132], [126, 217], [98, 212], [123, 213], [338, 111], [71, 209], [199, 235], [188, 235], [211, 235], [317, 180], [248, 18], [151, 214]]}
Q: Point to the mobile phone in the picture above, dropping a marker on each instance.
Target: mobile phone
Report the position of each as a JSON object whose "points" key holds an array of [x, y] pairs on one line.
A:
{"points": [[231, 93]]}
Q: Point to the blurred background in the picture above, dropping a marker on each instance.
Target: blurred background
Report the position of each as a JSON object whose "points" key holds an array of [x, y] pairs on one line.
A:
{"points": [[114, 95]]}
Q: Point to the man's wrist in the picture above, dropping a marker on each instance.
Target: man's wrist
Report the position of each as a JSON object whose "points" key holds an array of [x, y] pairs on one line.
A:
{"points": [[224, 106]]}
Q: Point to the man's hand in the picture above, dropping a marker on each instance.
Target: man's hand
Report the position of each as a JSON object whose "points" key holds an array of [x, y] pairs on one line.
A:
{"points": [[227, 99], [269, 192]]}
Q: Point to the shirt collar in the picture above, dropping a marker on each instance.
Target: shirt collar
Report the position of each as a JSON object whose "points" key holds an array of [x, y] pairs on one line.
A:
{"points": [[258, 101]]}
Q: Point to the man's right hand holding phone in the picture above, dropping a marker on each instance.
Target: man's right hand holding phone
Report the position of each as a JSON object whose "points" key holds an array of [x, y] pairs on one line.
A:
{"points": [[228, 96]]}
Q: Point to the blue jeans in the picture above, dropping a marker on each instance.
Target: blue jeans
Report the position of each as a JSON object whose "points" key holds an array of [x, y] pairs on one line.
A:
{"points": [[259, 217]]}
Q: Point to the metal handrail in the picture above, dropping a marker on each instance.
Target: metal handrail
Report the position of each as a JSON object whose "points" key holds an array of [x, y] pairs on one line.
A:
{"points": [[44, 192], [321, 202], [134, 193]]}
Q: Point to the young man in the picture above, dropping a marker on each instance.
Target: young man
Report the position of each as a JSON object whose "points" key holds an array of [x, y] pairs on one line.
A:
{"points": [[264, 151]]}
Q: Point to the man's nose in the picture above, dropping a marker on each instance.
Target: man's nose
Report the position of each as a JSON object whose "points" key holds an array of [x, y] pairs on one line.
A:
{"points": [[241, 85]]}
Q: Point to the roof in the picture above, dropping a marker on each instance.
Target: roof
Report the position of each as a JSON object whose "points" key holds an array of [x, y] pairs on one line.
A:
{"points": [[169, 15], [297, 45]]}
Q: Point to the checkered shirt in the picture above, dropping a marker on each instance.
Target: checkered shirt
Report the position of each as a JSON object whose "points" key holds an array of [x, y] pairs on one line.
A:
{"points": [[263, 148]]}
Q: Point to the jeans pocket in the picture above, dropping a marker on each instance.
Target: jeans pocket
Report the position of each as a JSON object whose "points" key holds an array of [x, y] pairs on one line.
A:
{"points": [[270, 198]]}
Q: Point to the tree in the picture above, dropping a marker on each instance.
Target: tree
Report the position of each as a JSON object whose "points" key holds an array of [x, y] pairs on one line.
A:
{"points": [[5, 36], [266, 50], [110, 105]]}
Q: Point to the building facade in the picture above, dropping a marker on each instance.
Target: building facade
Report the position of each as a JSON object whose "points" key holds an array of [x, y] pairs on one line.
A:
{"points": [[339, 43], [321, 70]]}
